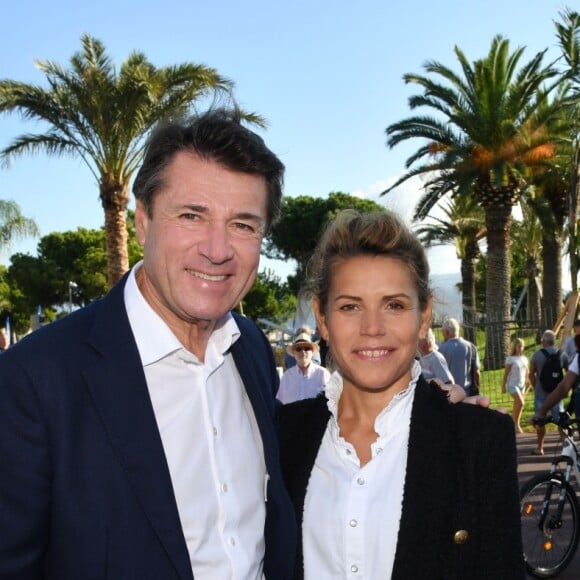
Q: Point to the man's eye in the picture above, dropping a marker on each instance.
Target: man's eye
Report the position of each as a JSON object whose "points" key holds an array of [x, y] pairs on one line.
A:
{"points": [[244, 227], [189, 216]]}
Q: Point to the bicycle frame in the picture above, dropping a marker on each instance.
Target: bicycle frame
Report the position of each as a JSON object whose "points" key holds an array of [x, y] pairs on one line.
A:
{"points": [[570, 456]]}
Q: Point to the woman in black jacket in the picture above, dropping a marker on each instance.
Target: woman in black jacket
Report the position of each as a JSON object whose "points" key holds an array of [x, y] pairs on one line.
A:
{"points": [[388, 480]]}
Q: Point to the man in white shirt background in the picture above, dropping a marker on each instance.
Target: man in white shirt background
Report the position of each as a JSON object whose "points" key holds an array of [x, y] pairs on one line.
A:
{"points": [[305, 379]]}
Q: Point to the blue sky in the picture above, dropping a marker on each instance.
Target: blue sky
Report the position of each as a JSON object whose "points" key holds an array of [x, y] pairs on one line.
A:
{"points": [[326, 74]]}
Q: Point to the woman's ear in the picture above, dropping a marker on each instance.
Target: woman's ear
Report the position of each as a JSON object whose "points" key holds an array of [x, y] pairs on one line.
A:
{"points": [[426, 318], [320, 319]]}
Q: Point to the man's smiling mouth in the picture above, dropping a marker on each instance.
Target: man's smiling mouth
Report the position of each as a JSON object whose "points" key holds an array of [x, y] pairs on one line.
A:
{"points": [[208, 277]]}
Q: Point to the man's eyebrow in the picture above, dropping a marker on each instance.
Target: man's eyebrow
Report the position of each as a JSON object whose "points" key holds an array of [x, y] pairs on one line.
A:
{"points": [[247, 215], [195, 207]]}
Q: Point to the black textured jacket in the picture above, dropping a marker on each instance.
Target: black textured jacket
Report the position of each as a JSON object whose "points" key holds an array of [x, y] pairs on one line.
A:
{"points": [[460, 517]]}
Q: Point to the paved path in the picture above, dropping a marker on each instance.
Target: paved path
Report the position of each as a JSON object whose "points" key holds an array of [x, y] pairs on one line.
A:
{"points": [[530, 465]]}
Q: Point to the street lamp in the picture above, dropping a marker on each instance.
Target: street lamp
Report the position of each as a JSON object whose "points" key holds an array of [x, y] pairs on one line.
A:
{"points": [[71, 286]]}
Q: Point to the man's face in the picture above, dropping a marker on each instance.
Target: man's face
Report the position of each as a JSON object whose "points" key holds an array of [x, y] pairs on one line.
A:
{"points": [[303, 354], [202, 243]]}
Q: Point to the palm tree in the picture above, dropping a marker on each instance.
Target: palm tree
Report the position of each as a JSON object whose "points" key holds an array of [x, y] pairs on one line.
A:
{"points": [[98, 113], [13, 225], [463, 225], [568, 34], [479, 144]]}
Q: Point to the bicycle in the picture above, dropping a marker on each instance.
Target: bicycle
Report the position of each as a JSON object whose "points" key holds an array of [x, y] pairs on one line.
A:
{"points": [[550, 512]]}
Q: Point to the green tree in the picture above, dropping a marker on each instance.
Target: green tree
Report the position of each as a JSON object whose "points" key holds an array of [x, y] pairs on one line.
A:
{"points": [[462, 225], [62, 257], [13, 225], [302, 222], [527, 237], [101, 115], [269, 298], [479, 143]]}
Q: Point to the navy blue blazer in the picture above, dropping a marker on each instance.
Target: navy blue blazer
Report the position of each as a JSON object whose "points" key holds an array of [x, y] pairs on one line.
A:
{"points": [[85, 490]]}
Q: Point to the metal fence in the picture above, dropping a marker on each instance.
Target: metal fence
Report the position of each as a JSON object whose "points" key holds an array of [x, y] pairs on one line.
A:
{"points": [[529, 330]]}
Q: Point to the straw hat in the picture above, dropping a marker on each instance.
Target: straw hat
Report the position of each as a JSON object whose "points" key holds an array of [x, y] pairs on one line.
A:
{"points": [[301, 339]]}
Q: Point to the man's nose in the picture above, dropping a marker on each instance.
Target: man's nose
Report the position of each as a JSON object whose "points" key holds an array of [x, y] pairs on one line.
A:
{"points": [[216, 245]]}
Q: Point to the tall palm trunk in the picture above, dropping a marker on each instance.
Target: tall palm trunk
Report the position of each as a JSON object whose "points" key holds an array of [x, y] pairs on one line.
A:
{"points": [[115, 201], [573, 194], [552, 278], [498, 290], [468, 290]]}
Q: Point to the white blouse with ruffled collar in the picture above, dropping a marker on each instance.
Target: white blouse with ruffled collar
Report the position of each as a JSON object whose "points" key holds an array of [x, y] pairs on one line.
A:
{"points": [[352, 513]]}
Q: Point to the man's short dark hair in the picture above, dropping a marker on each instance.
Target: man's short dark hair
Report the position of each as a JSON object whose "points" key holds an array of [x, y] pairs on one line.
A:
{"points": [[219, 136]]}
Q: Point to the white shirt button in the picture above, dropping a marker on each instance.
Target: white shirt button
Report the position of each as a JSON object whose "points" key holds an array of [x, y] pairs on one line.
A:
{"points": [[348, 451], [215, 431], [353, 523], [225, 487], [379, 450], [232, 541], [361, 480], [354, 568]]}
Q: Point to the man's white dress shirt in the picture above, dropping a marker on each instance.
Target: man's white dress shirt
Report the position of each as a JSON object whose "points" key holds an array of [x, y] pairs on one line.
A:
{"points": [[211, 442], [352, 513]]}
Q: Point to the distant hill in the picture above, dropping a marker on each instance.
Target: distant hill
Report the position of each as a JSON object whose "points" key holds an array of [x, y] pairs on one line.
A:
{"points": [[447, 298]]}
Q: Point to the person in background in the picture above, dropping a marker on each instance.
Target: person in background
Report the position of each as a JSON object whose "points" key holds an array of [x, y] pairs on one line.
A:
{"points": [[569, 345], [570, 382], [515, 380], [433, 363], [289, 360], [387, 479], [306, 379], [461, 356], [540, 394], [3, 340], [139, 431]]}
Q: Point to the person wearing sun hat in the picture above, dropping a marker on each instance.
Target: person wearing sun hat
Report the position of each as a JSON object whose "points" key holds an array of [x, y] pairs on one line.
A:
{"points": [[306, 379]]}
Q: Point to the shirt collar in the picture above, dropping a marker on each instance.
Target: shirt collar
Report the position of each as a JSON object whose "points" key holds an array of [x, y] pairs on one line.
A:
{"points": [[333, 391], [154, 338]]}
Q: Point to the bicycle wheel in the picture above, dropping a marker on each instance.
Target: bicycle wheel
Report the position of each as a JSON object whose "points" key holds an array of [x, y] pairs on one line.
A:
{"points": [[549, 541]]}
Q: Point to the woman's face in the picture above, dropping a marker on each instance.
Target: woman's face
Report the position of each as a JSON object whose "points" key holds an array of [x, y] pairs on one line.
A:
{"points": [[372, 323]]}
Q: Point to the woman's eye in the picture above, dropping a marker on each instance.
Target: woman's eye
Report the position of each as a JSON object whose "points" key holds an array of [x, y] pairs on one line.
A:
{"points": [[348, 307]]}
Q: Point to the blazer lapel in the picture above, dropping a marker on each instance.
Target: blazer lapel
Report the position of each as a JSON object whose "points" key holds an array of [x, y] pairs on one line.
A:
{"points": [[255, 377], [117, 385]]}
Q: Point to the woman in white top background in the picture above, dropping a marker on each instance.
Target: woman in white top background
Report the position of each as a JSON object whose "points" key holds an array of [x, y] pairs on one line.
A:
{"points": [[388, 480], [515, 380]]}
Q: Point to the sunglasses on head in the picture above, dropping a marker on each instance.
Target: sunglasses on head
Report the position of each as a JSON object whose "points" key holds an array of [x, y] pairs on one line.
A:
{"points": [[302, 348]]}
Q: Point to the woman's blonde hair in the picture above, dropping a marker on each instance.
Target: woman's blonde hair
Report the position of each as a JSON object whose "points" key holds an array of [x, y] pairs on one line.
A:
{"points": [[515, 343], [351, 234]]}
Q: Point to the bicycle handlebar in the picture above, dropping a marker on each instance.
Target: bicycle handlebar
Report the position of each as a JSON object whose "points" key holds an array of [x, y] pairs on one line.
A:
{"points": [[564, 422]]}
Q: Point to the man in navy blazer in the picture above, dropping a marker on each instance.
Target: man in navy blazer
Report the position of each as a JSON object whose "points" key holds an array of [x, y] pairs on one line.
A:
{"points": [[137, 437]]}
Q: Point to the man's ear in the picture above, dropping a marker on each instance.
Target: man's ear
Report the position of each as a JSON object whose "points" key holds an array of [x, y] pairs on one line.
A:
{"points": [[141, 222]]}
